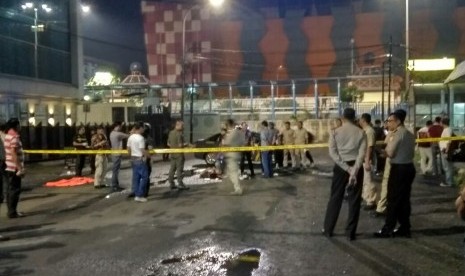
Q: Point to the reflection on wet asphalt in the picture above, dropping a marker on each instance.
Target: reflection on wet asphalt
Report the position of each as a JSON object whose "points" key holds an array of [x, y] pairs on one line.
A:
{"points": [[209, 262]]}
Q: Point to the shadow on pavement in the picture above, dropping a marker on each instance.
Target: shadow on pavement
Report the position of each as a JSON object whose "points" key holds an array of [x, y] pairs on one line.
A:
{"points": [[26, 238]]}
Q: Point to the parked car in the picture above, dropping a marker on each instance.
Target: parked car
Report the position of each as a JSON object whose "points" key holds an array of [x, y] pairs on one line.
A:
{"points": [[212, 142]]}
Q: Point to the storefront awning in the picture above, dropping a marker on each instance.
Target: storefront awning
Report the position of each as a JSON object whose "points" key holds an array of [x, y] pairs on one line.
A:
{"points": [[458, 73]]}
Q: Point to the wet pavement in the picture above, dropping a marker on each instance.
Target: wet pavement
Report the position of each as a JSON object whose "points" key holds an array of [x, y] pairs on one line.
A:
{"points": [[273, 229]]}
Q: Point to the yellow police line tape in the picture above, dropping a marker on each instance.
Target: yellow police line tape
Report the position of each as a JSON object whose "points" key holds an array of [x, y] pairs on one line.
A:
{"points": [[217, 149]]}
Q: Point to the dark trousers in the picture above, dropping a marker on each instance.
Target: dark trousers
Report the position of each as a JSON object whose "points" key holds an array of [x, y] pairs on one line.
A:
{"points": [[338, 188], [80, 161], [247, 155], [2, 176], [279, 157], [398, 197], [309, 156], [149, 172], [92, 163], [13, 190]]}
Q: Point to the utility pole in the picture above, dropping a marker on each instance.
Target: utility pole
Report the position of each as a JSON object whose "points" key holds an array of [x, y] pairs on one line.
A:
{"points": [[390, 74], [382, 90], [352, 56]]}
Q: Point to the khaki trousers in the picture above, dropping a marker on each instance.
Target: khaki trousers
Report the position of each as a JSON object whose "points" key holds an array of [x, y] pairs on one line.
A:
{"points": [[232, 170], [369, 189], [288, 152], [382, 203], [101, 163], [300, 158], [426, 160]]}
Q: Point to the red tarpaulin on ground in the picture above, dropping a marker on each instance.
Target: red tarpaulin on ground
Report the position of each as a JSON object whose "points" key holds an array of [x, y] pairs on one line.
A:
{"points": [[70, 182]]}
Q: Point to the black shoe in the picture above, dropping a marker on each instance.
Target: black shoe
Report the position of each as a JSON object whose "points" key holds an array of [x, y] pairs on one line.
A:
{"points": [[3, 238], [16, 215], [183, 187], [369, 207], [351, 237], [403, 233], [99, 187], [117, 189], [383, 234], [326, 234], [376, 214], [131, 195]]}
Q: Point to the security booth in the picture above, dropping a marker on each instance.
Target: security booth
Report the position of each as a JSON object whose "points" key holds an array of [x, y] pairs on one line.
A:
{"points": [[431, 97], [455, 87], [430, 101]]}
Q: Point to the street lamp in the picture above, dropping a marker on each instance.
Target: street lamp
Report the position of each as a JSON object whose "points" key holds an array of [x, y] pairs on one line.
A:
{"points": [[407, 48], [85, 8], [35, 29], [214, 3]]}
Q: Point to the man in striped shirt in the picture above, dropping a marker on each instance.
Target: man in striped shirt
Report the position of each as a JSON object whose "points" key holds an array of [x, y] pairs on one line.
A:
{"points": [[14, 159]]}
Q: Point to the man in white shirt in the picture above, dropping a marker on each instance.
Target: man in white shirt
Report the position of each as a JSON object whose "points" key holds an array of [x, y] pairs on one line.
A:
{"points": [[138, 153], [447, 165], [426, 153]]}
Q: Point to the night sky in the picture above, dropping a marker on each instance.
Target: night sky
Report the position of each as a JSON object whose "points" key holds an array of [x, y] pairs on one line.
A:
{"points": [[113, 32]]}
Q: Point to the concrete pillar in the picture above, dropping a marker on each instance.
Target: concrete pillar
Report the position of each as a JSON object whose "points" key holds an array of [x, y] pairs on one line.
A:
{"points": [[317, 107], [76, 49], [339, 104], [230, 100], [273, 117], [251, 96], [294, 104], [210, 98], [451, 105]]}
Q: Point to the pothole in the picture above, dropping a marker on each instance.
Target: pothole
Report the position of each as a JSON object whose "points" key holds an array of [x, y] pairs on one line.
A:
{"points": [[209, 262]]}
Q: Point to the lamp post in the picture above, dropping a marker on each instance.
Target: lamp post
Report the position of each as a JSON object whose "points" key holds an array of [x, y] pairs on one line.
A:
{"points": [[407, 48], [35, 29], [277, 79], [214, 3]]}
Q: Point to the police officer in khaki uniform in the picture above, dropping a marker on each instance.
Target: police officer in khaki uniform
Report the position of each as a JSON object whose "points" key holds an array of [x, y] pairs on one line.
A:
{"points": [[369, 193], [300, 138], [401, 150], [176, 141], [347, 148], [288, 139]]}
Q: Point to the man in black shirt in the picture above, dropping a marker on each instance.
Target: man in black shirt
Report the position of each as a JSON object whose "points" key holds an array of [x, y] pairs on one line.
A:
{"points": [[80, 143]]}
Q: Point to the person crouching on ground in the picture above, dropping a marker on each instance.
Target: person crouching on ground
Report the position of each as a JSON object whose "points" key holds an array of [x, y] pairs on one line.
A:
{"points": [[139, 155]]}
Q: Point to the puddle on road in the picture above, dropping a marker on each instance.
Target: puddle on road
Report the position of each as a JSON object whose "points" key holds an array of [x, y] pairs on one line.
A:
{"points": [[244, 264], [208, 261]]}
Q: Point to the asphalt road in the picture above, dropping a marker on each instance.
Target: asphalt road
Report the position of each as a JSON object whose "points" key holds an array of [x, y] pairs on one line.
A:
{"points": [[273, 229]]}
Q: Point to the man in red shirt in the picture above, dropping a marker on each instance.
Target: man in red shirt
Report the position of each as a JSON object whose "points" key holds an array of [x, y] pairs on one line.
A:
{"points": [[14, 159], [435, 131]]}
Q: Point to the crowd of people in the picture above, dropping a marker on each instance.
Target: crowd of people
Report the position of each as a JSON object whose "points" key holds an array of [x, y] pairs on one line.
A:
{"points": [[357, 156], [353, 146]]}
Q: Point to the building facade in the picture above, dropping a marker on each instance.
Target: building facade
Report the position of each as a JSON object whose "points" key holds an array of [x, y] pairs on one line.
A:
{"points": [[40, 61]]}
